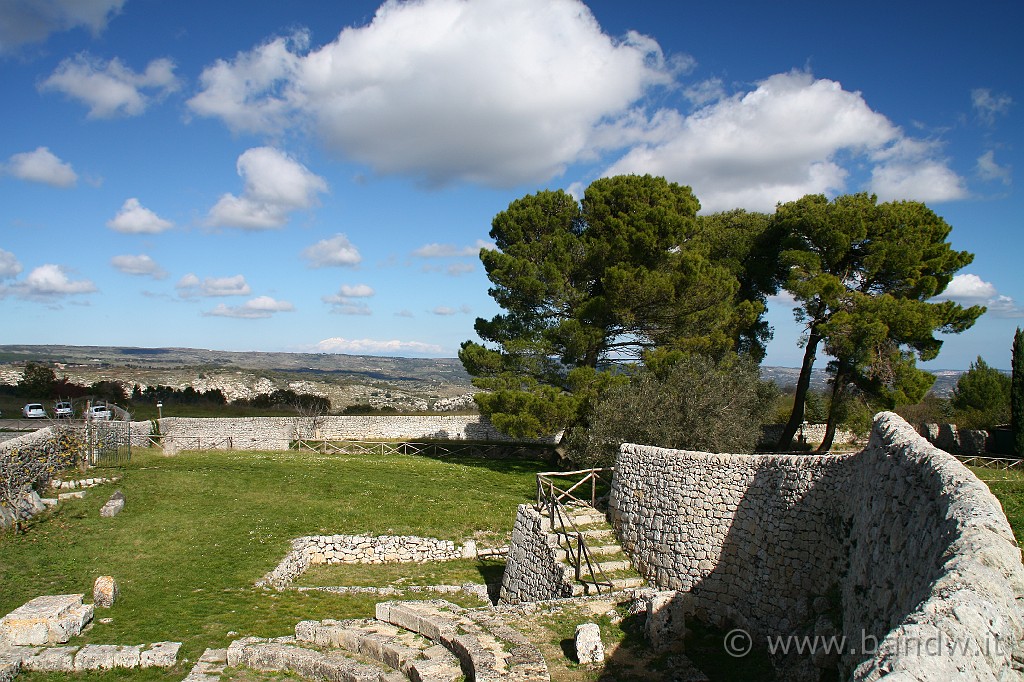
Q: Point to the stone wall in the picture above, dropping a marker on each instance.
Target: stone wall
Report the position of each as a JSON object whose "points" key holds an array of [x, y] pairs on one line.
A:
{"points": [[360, 549], [533, 572], [898, 546], [275, 433], [955, 440]]}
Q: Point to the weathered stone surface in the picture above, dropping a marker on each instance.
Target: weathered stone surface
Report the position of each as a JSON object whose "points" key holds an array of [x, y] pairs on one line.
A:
{"points": [[51, 659], [841, 545], [160, 655], [107, 657], [51, 619], [589, 647], [113, 506], [666, 619], [209, 666], [104, 592]]}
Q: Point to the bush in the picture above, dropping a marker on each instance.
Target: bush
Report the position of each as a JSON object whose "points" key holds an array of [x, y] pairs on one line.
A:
{"points": [[695, 404]]}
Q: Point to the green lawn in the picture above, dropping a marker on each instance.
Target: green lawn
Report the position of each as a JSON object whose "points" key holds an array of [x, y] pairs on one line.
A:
{"points": [[199, 529]]}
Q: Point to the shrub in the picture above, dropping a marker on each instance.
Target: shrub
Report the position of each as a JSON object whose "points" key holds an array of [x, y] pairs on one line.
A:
{"points": [[695, 404]]}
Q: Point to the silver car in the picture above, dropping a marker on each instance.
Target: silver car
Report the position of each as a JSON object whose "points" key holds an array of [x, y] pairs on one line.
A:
{"points": [[33, 411]]}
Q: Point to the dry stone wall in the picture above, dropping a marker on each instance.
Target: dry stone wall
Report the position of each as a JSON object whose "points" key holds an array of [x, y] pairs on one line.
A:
{"points": [[533, 571], [360, 549], [899, 549], [275, 433]]}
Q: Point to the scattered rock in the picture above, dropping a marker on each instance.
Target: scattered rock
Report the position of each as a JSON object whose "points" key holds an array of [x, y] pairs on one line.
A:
{"points": [[589, 648], [114, 505], [104, 592]]}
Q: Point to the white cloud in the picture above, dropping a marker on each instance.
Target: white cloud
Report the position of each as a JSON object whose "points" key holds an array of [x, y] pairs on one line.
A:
{"points": [[51, 281], [42, 166], [338, 344], [337, 251], [134, 218], [785, 138], [112, 89], [190, 285], [138, 265], [343, 303], [988, 169], [445, 311], [275, 185], [30, 21], [988, 105], [9, 265], [489, 91], [257, 308], [451, 251], [457, 269], [969, 289]]}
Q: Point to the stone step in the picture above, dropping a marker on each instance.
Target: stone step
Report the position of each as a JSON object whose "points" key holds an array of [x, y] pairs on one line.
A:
{"points": [[486, 647], [595, 551], [412, 654], [209, 666], [587, 587], [283, 654], [50, 619]]}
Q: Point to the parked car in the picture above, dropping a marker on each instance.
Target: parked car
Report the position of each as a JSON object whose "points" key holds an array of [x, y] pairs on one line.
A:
{"points": [[33, 411], [99, 413], [62, 409]]}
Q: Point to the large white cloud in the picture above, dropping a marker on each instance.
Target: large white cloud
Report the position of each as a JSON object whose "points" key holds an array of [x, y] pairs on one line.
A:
{"points": [[257, 308], [110, 88], [134, 218], [41, 165], [275, 185], [29, 21], [784, 139], [340, 344], [488, 91], [190, 285]]}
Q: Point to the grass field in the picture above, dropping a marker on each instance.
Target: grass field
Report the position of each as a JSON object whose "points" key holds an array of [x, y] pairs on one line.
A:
{"points": [[199, 529]]}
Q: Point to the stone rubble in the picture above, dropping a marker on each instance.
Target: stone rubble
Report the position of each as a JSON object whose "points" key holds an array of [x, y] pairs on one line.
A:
{"points": [[113, 506], [50, 619]]}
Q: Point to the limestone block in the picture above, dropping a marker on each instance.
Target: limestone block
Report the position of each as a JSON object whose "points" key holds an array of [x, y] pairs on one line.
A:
{"points": [[52, 659], [104, 592], [107, 656], [113, 506], [589, 648], [77, 495], [10, 664], [51, 619], [160, 655]]}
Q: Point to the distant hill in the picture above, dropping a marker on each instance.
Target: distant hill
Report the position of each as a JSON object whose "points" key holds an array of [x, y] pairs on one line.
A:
{"points": [[411, 383]]}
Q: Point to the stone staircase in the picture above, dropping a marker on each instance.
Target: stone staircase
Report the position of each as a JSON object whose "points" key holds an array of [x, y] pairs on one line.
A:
{"points": [[611, 571], [421, 641]]}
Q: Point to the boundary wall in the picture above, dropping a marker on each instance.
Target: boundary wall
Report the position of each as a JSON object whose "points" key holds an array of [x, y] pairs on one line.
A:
{"points": [[899, 549], [276, 433]]}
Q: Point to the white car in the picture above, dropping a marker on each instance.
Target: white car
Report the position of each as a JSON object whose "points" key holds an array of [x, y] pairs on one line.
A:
{"points": [[99, 413], [33, 411], [63, 410]]}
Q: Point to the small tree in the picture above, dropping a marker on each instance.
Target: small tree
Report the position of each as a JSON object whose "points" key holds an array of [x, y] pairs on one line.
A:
{"points": [[1017, 392], [694, 403], [37, 381], [981, 398]]}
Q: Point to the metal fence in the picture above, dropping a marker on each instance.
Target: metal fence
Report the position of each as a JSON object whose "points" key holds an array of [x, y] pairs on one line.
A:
{"points": [[109, 442]]}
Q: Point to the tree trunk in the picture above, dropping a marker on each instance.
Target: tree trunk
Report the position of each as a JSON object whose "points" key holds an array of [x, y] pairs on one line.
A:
{"points": [[796, 417], [838, 382]]}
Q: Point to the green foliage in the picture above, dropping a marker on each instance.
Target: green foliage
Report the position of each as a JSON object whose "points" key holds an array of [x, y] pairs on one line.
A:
{"points": [[37, 381], [981, 398], [863, 274], [1017, 392], [697, 403], [588, 285], [930, 410]]}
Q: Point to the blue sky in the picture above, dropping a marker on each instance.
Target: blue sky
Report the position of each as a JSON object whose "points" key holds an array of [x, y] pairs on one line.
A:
{"points": [[319, 176]]}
